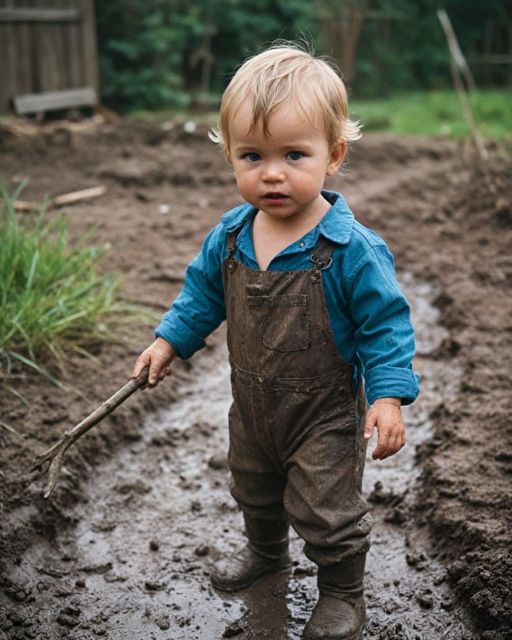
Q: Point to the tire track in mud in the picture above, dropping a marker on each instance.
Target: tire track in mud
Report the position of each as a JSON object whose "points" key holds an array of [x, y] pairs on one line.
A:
{"points": [[156, 516]]}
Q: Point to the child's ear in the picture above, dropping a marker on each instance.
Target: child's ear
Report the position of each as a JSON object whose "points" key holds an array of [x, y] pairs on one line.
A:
{"points": [[338, 153], [227, 153]]}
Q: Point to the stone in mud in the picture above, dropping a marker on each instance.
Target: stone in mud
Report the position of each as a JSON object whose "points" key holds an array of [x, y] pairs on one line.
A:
{"points": [[115, 577], [15, 591], [218, 462], [67, 621], [70, 610], [162, 621], [100, 631], [425, 600], [196, 506], [391, 605], [138, 487], [15, 617], [398, 516], [395, 631], [101, 567], [202, 550], [234, 629], [154, 585], [447, 603], [103, 526], [416, 560]]}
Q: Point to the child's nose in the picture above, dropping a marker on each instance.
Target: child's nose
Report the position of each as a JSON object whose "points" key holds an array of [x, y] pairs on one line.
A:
{"points": [[273, 172]]}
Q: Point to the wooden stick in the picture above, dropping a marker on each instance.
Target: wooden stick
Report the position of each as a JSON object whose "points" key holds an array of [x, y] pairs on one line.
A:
{"points": [[51, 460], [64, 199], [24, 205], [9, 428], [77, 196]]}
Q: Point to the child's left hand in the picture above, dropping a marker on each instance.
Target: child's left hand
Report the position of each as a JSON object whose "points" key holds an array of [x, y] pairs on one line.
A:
{"points": [[385, 414]]}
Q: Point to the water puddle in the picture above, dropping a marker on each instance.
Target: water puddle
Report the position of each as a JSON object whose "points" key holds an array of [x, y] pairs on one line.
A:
{"points": [[158, 514]]}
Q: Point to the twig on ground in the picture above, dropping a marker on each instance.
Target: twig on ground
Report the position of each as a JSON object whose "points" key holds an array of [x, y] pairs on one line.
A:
{"points": [[9, 428], [64, 199], [51, 460]]}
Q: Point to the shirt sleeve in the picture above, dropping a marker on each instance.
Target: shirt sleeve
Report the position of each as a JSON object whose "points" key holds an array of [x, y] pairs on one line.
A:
{"points": [[199, 307], [384, 337]]}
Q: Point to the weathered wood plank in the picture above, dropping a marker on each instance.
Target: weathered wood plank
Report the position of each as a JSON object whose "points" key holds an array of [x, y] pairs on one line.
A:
{"points": [[52, 100], [47, 55], [76, 77], [89, 43], [40, 15], [5, 85]]}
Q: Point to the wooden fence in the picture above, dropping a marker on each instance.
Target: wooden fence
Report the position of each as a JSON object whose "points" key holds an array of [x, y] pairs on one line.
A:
{"points": [[46, 46]]}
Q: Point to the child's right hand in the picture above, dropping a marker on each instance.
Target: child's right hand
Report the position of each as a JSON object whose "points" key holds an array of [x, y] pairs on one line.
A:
{"points": [[158, 356]]}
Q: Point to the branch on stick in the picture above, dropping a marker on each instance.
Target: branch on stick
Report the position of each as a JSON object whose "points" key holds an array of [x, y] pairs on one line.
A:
{"points": [[52, 459]]}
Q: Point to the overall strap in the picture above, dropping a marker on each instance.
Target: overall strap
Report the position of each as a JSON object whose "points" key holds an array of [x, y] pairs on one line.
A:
{"points": [[231, 242], [231, 246], [321, 256]]}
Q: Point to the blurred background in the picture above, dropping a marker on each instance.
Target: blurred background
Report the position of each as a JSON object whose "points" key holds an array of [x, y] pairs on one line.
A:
{"points": [[171, 56], [393, 54]]}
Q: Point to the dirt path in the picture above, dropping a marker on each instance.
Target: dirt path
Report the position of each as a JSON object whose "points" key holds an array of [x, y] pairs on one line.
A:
{"points": [[154, 518], [124, 547]]}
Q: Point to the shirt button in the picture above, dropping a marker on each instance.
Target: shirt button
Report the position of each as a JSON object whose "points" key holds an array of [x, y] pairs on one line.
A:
{"points": [[301, 244]]}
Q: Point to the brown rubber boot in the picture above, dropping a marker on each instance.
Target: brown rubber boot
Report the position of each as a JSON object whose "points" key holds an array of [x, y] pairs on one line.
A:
{"points": [[340, 611], [266, 552]]}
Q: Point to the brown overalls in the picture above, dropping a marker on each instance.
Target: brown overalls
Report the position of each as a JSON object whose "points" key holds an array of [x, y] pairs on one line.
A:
{"points": [[296, 430]]}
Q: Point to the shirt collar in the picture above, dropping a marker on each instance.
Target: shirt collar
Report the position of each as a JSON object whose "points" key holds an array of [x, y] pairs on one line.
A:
{"points": [[336, 225]]}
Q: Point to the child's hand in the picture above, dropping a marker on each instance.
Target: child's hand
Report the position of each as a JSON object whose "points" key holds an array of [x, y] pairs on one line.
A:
{"points": [[158, 356], [385, 414]]}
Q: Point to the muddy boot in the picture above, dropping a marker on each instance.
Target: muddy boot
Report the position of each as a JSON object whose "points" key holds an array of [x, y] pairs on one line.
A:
{"points": [[266, 552], [340, 612]]}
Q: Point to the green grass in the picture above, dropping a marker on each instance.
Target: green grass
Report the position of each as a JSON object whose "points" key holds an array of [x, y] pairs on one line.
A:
{"points": [[437, 113], [53, 298]]}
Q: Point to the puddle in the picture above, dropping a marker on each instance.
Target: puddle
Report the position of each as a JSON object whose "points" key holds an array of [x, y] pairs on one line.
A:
{"points": [[158, 514]]}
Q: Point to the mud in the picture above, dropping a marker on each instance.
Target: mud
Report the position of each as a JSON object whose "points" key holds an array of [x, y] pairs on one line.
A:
{"points": [[124, 547]]}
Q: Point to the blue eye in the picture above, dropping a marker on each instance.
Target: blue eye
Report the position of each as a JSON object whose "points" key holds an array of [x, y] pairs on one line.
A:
{"points": [[252, 156], [294, 155]]}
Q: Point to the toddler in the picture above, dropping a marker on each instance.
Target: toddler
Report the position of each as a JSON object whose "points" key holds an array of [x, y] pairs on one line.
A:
{"points": [[313, 308]]}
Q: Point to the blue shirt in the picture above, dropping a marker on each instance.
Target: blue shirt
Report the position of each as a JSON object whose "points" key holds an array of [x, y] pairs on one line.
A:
{"points": [[368, 313]]}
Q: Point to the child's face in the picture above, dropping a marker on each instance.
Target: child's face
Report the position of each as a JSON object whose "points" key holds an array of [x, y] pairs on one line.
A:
{"points": [[283, 172]]}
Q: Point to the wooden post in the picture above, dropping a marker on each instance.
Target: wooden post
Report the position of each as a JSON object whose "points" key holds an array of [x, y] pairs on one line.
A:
{"points": [[89, 43], [459, 66]]}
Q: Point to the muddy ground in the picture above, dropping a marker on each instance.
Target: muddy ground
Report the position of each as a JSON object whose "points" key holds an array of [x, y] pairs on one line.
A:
{"points": [[124, 547]]}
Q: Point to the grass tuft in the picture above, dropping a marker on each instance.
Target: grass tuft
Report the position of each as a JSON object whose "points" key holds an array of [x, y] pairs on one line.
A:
{"points": [[53, 298]]}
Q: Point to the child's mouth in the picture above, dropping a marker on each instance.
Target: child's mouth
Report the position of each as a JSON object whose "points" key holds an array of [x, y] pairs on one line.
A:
{"points": [[274, 196]]}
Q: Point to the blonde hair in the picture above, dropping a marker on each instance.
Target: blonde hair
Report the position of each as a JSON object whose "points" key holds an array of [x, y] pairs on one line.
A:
{"points": [[286, 71]]}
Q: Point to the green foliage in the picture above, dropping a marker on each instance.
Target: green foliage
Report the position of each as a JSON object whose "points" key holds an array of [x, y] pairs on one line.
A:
{"points": [[140, 55], [52, 297], [436, 113], [157, 54], [153, 54]]}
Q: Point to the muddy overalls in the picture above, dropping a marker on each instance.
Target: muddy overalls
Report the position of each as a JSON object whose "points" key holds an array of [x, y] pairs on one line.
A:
{"points": [[296, 449]]}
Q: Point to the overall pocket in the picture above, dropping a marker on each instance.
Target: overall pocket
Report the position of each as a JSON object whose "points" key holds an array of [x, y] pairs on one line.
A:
{"points": [[283, 320]]}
